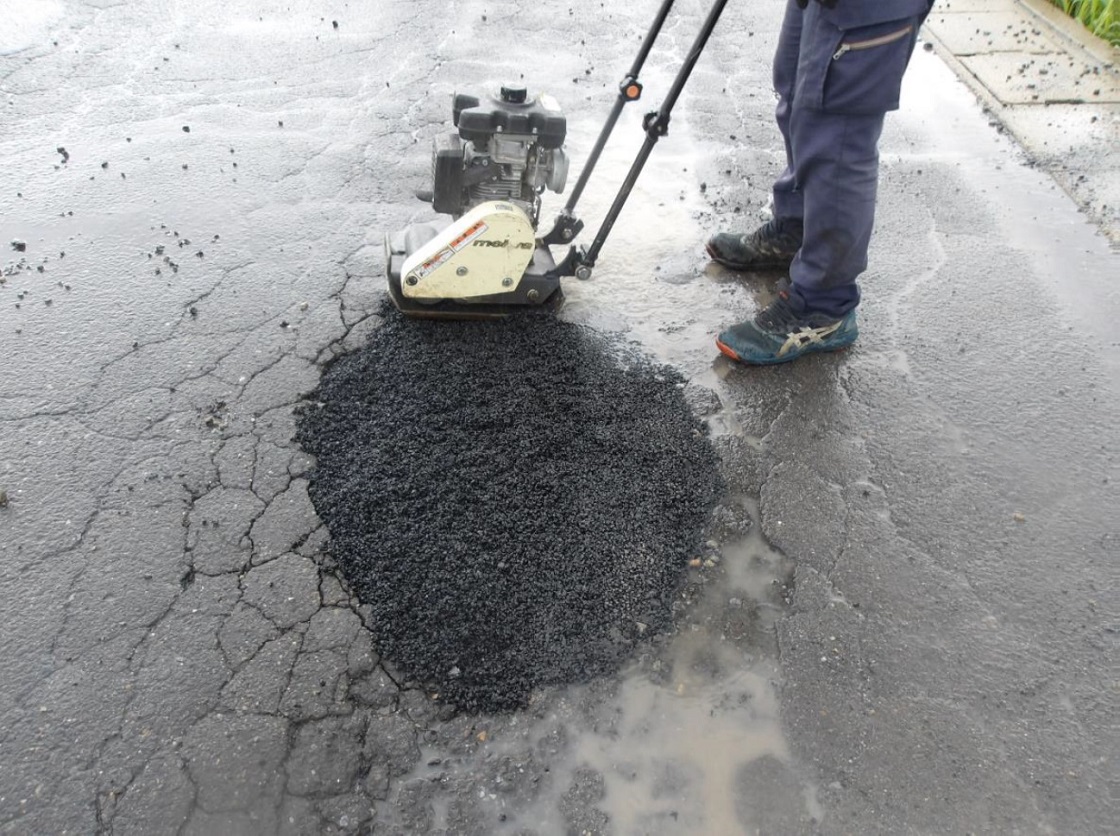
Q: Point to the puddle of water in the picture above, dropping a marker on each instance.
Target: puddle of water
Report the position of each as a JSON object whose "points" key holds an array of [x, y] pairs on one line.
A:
{"points": [[752, 565], [671, 764], [725, 421], [687, 741]]}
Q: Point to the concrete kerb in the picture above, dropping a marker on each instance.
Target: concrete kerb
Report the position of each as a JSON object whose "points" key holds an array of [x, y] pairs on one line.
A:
{"points": [[1075, 34]]}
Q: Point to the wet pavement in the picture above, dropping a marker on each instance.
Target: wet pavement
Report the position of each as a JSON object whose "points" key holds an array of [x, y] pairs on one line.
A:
{"points": [[1049, 83], [916, 634]]}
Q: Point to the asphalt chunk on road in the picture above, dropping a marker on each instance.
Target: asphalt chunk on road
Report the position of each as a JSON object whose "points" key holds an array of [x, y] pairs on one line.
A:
{"points": [[515, 501]]}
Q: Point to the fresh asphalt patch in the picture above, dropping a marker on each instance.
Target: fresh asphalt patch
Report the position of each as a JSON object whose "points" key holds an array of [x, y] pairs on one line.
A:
{"points": [[514, 500]]}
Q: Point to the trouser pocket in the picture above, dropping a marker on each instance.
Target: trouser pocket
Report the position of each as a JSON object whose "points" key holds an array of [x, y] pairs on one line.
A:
{"points": [[865, 66]]}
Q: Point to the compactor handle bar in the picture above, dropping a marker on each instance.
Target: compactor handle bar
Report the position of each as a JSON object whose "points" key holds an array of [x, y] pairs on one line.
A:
{"points": [[580, 261]]}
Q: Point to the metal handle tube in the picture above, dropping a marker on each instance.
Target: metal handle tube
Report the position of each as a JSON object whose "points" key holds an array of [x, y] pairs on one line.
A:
{"points": [[619, 104], [656, 127]]}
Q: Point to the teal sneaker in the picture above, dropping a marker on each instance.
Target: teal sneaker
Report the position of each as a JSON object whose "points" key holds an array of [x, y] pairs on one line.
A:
{"points": [[778, 334], [770, 247]]}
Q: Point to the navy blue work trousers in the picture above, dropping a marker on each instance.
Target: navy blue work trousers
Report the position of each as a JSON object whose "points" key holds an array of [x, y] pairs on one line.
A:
{"points": [[837, 74]]}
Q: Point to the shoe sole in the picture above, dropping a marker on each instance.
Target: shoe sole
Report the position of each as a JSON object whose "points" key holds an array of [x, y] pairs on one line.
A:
{"points": [[727, 351], [744, 267]]}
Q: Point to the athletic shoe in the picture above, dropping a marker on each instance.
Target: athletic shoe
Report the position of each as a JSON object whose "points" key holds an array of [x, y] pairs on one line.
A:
{"points": [[778, 334], [770, 247]]}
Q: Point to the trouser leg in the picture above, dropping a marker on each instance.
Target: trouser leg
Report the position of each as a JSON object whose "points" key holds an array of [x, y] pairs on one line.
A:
{"points": [[787, 196], [831, 117], [837, 171]]}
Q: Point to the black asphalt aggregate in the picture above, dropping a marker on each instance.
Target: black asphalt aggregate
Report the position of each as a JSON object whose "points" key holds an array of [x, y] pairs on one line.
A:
{"points": [[515, 500]]}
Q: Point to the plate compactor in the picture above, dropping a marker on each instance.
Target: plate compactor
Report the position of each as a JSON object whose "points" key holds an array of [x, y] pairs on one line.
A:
{"points": [[485, 258]]}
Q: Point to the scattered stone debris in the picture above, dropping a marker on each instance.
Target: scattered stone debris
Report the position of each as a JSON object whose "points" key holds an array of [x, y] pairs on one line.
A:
{"points": [[214, 416]]}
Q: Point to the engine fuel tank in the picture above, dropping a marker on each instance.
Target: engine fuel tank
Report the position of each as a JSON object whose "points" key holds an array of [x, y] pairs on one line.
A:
{"points": [[511, 113]]}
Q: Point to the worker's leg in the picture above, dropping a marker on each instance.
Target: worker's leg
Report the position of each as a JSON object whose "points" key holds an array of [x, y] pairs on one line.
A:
{"points": [[837, 173], [831, 116], [846, 81]]}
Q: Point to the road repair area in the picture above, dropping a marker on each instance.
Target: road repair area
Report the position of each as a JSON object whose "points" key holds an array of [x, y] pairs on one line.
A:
{"points": [[278, 560]]}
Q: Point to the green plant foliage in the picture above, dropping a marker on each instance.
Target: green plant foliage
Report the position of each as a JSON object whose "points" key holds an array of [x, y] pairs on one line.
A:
{"points": [[1101, 17]]}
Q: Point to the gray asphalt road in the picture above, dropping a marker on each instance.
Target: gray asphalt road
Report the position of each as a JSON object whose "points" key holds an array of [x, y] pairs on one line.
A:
{"points": [[919, 635]]}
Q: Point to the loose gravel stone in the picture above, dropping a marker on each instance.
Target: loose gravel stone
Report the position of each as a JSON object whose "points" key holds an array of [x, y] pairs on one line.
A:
{"points": [[511, 499]]}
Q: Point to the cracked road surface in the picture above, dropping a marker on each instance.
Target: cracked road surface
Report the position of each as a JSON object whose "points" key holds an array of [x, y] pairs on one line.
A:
{"points": [[918, 633]]}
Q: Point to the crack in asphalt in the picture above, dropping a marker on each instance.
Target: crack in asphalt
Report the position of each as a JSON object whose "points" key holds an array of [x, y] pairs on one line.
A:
{"points": [[268, 487]]}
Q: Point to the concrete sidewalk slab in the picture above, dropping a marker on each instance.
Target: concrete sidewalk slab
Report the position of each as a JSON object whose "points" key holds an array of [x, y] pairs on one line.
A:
{"points": [[1049, 78], [979, 33]]}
